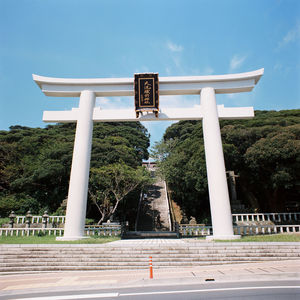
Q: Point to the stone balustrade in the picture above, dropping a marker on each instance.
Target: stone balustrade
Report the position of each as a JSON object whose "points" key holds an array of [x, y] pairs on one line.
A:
{"points": [[194, 230], [245, 217], [39, 219], [273, 217], [103, 230], [98, 230], [184, 229], [200, 230], [265, 229], [30, 231]]}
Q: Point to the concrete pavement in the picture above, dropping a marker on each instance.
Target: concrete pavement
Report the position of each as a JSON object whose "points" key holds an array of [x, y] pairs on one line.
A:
{"points": [[85, 280]]}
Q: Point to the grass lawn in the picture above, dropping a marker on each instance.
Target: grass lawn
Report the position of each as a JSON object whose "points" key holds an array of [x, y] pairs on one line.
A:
{"points": [[285, 237], [52, 240]]}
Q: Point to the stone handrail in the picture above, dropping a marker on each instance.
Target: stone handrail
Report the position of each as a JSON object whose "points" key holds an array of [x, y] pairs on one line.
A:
{"points": [[184, 229], [39, 219], [139, 210], [170, 217], [30, 231], [194, 230], [103, 230], [265, 229], [171, 209], [99, 230], [275, 217], [245, 217], [202, 230]]}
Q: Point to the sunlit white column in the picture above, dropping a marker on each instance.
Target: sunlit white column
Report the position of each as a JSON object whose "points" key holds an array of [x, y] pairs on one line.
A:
{"points": [[215, 166], [79, 178]]}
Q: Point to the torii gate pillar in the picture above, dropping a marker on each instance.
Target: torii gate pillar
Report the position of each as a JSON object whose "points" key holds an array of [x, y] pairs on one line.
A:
{"points": [[79, 178], [208, 111], [215, 166]]}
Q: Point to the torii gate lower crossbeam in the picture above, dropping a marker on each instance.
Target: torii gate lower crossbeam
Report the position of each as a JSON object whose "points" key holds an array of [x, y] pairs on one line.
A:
{"points": [[205, 86]]}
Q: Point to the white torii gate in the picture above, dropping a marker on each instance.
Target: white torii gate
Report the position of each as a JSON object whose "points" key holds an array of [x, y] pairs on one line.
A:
{"points": [[208, 111]]}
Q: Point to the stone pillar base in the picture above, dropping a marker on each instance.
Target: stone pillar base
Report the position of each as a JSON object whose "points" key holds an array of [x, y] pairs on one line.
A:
{"points": [[71, 238], [222, 237]]}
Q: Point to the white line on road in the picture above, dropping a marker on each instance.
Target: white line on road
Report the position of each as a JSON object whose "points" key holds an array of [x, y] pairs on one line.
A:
{"points": [[67, 297], [114, 295], [211, 290]]}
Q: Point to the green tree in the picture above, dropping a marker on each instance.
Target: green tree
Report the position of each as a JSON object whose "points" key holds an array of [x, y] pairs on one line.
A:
{"points": [[35, 163], [274, 162], [264, 151], [110, 184]]}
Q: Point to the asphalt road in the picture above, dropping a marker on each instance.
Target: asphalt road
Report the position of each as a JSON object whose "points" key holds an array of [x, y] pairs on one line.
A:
{"points": [[211, 290]]}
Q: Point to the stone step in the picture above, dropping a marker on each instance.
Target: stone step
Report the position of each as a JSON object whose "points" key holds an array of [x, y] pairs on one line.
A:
{"points": [[154, 210], [155, 244], [140, 251], [128, 246], [143, 247], [71, 251], [138, 261], [173, 256], [129, 257], [150, 235], [107, 266], [143, 253], [33, 258], [133, 259], [29, 269]]}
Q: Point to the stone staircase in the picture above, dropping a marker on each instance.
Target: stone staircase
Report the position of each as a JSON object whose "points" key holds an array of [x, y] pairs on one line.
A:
{"points": [[154, 209], [127, 254], [150, 235]]}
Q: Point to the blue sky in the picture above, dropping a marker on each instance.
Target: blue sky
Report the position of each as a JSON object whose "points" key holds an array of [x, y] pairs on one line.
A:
{"points": [[117, 38]]}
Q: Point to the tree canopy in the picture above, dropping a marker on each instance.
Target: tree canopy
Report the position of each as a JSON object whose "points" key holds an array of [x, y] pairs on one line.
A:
{"points": [[110, 184], [35, 163], [263, 151]]}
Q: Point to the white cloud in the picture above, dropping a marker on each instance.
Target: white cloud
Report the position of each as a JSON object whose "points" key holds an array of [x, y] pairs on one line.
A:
{"points": [[142, 69], [237, 61], [239, 99], [174, 47], [178, 101], [114, 102], [291, 36], [168, 71], [102, 101], [277, 67], [231, 96], [177, 61], [208, 71]]}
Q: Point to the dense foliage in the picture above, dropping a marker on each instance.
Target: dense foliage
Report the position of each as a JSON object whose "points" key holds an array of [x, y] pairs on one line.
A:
{"points": [[263, 151], [35, 163], [110, 184]]}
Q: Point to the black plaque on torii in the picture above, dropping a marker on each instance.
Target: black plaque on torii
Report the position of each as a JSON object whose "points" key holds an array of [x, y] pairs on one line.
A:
{"points": [[146, 93]]}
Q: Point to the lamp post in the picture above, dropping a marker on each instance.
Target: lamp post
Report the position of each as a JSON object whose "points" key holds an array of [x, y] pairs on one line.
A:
{"points": [[45, 219], [28, 219], [12, 219]]}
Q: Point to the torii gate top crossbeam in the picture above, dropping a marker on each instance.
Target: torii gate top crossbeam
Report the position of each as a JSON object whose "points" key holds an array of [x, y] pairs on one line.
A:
{"points": [[188, 85]]}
